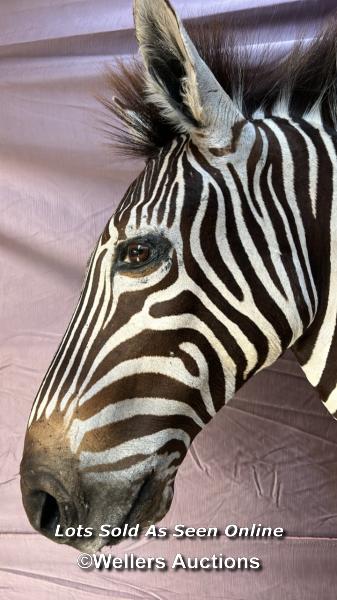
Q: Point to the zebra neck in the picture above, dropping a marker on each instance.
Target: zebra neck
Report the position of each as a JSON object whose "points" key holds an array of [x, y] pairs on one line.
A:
{"points": [[316, 349]]}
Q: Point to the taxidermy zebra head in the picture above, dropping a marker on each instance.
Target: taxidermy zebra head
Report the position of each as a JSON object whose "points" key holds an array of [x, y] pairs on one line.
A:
{"points": [[220, 256]]}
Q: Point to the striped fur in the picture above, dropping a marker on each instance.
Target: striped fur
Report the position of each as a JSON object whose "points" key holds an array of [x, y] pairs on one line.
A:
{"points": [[248, 268]]}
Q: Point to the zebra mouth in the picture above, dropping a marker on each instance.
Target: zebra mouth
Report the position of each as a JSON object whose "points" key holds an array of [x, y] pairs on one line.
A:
{"points": [[139, 512]]}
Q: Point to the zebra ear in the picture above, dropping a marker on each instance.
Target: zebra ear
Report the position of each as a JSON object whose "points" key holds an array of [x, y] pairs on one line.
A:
{"points": [[178, 80]]}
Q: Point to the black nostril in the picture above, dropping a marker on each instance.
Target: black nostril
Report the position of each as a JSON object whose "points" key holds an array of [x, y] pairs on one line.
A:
{"points": [[50, 513], [50, 508]]}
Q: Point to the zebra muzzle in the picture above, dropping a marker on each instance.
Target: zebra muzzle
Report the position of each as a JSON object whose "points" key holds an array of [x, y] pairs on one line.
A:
{"points": [[69, 504], [49, 506]]}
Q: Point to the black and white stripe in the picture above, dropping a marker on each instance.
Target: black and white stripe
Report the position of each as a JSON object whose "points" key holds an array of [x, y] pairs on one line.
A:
{"points": [[240, 215]]}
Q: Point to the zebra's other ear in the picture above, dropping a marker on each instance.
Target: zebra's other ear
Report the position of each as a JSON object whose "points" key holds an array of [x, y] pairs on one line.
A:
{"points": [[178, 80]]}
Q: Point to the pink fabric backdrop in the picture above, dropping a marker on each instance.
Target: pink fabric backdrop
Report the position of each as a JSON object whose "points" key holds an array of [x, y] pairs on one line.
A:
{"points": [[270, 456]]}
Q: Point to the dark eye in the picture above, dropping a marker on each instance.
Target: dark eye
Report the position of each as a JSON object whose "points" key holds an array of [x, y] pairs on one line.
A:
{"points": [[136, 253]]}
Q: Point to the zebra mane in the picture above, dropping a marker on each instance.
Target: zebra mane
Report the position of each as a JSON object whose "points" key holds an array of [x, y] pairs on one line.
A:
{"points": [[302, 83]]}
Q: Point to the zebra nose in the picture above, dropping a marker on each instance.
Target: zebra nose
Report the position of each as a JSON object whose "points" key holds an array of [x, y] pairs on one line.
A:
{"points": [[49, 507]]}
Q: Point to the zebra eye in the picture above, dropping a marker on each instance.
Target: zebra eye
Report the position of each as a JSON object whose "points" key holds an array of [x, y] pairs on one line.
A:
{"points": [[136, 253]]}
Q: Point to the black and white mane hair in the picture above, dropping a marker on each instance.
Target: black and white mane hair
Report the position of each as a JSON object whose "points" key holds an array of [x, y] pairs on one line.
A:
{"points": [[260, 85]]}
